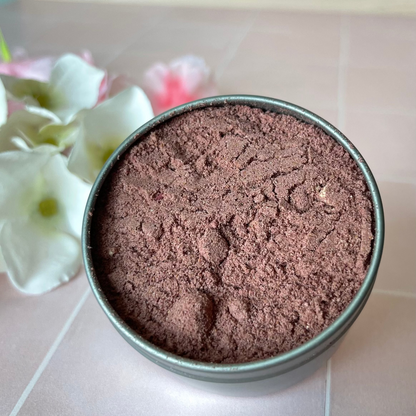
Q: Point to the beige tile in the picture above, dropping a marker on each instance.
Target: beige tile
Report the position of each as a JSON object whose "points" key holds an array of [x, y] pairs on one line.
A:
{"points": [[387, 141], [95, 371], [179, 16], [57, 10], [312, 87], [299, 24], [102, 28], [94, 36], [391, 90], [398, 267], [28, 327], [368, 52], [384, 27], [373, 372], [90, 12], [19, 29], [186, 39], [328, 114], [282, 49]]}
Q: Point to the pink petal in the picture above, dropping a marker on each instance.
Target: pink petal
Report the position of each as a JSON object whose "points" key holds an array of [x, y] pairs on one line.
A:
{"points": [[185, 79], [38, 69], [86, 55]]}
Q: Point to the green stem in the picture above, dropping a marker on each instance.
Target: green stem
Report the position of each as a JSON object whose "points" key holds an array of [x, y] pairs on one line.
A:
{"points": [[5, 54]]}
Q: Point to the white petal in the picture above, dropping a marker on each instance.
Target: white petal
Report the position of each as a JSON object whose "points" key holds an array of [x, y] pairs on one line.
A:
{"points": [[3, 266], [43, 112], [3, 104], [119, 116], [70, 191], [27, 90], [75, 84], [106, 127], [62, 136], [79, 161], [19, 172], [38, 260], [21, 144], [21, 124]]}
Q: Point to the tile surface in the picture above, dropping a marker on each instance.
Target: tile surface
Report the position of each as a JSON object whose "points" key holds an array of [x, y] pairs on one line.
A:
{"points": [[129, 384], [28, 327], [387, 141], [358, 72], [398, 266], [373, 372], [384, 89]]}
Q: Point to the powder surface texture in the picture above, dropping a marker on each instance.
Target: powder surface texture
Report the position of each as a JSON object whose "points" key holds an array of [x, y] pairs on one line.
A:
{"points": [[231, 234]]}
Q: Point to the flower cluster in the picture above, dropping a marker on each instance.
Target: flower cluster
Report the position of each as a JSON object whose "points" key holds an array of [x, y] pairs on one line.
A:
{"points": [[60, 120], [59, 123]]}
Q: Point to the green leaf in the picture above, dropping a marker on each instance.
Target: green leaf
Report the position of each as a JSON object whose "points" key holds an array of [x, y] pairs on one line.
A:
{"points": [[5, 54]]}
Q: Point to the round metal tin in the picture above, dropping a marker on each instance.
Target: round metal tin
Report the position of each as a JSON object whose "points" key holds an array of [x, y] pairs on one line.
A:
{"points": [[264, 375]]}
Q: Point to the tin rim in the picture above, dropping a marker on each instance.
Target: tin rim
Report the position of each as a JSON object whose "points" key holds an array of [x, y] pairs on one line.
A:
{"points": [[339, 324]]}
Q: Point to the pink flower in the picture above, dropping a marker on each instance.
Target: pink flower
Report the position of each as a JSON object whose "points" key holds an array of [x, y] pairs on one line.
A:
{"points": [[23, 67], [185, 79]]}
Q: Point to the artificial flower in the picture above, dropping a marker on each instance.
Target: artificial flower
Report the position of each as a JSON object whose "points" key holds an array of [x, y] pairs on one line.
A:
{"points": [[3, 104], [185, 79], [73, 86], [36, 130], [104, 128], [41, 210]]}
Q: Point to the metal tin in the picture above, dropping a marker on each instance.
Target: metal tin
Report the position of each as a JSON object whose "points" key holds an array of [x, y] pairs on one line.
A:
{"points": [[263, 376]]}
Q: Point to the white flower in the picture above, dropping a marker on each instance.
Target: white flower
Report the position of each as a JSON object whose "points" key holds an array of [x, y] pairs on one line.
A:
{"points": [[3, 104], [73, 86], [36, 130], [41, 210], [104, 128]]}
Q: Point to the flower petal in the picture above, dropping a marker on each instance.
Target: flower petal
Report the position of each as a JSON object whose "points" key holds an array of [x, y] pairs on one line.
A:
{"points": [[70, 191], [105, 128], [3, 104], [184, 79], [20, 89], [3, 266], [18, 173], [38, 260], [43, 112], [21, 124], [38, 69], [75, 85]]}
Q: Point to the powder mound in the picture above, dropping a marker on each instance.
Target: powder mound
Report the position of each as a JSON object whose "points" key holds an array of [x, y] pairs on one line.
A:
{"points": [[232, 234], [192, 315], [213, 247]]}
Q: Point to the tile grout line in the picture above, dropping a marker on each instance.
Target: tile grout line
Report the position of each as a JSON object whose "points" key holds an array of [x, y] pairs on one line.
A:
{"points": [[342, 66], [343, 60], [328, 389], [396, 293], [229, 56], [49, 354]]}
